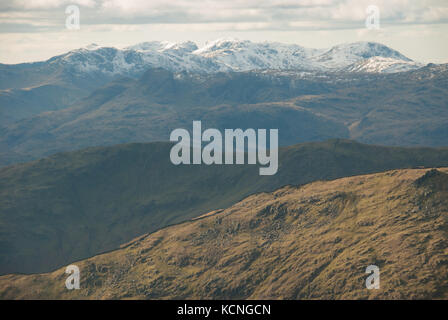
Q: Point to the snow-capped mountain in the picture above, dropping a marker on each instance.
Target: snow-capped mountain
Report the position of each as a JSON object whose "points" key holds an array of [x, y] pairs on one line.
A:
{"points": [[383, 65], [225, 55], [342, 55], [246, 55]]}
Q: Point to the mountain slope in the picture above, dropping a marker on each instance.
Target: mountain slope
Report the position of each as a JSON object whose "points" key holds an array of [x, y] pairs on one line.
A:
{"points": [[75, 205], [17, 104], [29, 89], [308, 242], [407, 109], [343, 55], [382, 65]]}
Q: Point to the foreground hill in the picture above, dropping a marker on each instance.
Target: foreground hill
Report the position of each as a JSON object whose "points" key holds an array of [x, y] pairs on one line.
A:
{"points": [[308, 242], [74, 205]]}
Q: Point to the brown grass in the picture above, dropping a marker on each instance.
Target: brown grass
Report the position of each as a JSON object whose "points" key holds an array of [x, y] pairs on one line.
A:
{"points": [[309, 242]]}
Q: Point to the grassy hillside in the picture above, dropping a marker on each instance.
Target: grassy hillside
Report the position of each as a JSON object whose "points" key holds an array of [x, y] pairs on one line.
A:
{"points": [[74, 205], [308, 242]]}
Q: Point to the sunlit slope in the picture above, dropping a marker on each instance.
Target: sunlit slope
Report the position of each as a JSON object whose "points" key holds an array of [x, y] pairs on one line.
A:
{"points": [[308, 242]]}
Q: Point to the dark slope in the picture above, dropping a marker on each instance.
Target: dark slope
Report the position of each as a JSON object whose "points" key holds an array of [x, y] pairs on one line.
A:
{"points": [[75, 205]]}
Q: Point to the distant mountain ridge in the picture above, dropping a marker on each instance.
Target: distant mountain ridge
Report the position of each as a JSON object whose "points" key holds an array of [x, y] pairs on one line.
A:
{"points": [[27, 89], [224, 55]]}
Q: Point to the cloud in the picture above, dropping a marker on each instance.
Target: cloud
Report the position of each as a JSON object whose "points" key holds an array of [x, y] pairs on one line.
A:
{"points": [[49, 4], [31, 30], [278, 14]]}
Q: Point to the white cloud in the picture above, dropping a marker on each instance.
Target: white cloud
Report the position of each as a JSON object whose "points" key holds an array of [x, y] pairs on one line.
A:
{"points": [[238, 11], [48, 4], [320, 22]]}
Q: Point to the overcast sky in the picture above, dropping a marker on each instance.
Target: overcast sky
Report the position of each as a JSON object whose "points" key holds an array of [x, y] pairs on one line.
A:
{"points": [[32, 30]]}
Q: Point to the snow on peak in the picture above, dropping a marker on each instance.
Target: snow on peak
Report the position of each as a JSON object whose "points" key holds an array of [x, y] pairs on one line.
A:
{"points": [[383, 65], [229, 54], [220, 45], [187, 46], [160, 46], [343, 55]]}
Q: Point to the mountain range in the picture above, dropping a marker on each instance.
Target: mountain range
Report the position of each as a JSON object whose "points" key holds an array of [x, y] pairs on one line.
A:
{"points": [[402, 109], [298, 242], [223, 55], [30, 88], [85, 168], [97, 95]]}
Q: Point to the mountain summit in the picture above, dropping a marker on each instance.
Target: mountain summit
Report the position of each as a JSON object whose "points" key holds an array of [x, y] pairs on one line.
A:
{"points": [[225, 55]]}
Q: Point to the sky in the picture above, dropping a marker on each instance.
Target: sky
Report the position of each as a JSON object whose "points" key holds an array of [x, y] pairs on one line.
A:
{"points": [[34, 30]]}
